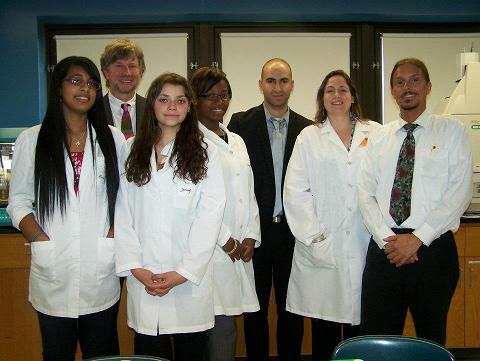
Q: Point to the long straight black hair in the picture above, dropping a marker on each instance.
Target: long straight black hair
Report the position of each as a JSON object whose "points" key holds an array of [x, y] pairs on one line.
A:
{"points": [[50, 172]]}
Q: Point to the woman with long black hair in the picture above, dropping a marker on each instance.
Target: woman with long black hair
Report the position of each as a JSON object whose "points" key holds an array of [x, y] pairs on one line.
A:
{"points": [[62, 197]]}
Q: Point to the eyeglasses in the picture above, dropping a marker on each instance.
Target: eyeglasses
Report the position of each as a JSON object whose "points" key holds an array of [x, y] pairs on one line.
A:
{"points": [[80, 82], [213, 97]]}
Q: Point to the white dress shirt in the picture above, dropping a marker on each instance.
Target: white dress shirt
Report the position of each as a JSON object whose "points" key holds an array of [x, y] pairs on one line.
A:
{"points": [[442, 178], [320, 198], [73, 273], [170, 224], [234, 281]]}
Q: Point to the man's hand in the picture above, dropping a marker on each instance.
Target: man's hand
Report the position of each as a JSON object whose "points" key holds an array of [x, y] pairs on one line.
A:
{"points": [[402, 249]]}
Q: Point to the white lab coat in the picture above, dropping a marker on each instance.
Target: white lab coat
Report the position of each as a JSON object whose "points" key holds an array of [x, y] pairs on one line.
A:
{"points": [[234, 281], [320, 197], [170, 224], [73, 273]]}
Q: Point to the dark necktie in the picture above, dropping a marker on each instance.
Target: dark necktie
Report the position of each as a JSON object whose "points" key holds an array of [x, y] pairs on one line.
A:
{"points": [[126, 121], [402, 186]]}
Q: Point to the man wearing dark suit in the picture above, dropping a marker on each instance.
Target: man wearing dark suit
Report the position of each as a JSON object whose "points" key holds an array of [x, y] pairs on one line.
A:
{"points": [[269, 131], [123, 65]]}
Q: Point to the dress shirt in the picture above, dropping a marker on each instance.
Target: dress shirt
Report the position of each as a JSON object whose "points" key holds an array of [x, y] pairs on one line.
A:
{"points": [[442, 178], [117, 112], [277, 133]]}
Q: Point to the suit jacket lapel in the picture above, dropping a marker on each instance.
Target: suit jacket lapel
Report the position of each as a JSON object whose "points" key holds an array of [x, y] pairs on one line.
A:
{"points": [[108, 110], [263, 140]]}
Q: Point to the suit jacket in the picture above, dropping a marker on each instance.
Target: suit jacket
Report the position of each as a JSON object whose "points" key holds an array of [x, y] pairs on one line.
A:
{"points": [[251, 125], [139, 108]]}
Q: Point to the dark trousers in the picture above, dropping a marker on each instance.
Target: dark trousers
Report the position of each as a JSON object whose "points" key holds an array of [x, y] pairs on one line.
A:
{"points": [[425, 287], [175, 347], [327, 334], [273, 260], [96, 333]]}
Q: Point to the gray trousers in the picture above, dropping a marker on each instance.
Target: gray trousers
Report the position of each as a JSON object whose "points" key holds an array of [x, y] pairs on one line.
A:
{"points": [[222, 339]]}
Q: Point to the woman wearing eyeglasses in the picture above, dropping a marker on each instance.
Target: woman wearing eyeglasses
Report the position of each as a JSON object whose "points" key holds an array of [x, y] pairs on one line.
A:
{"points": [[234, 285], [63, 188], [320, 198]]}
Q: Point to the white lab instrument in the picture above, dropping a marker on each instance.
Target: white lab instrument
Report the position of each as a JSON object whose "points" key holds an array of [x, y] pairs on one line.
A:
{"points": [[464, 105]]}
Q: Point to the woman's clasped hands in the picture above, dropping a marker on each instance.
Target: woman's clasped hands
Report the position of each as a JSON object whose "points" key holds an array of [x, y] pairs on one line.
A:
{"points": [[158, 284]]}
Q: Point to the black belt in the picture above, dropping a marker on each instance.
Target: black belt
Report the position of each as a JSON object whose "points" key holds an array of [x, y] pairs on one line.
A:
{"points": [[402, 230]]}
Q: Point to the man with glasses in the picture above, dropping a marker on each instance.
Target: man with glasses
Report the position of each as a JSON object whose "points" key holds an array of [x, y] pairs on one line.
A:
{"points": [[123, 66], [414, 184], [269, 131]]}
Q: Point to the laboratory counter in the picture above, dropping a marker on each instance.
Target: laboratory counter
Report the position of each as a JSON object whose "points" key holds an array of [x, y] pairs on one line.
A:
{"points": [[20, 325]]}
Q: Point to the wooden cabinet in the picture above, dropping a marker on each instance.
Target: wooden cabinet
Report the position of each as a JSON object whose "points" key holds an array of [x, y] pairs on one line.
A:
{"points": [[463, 325], [472, 286], [20, 338]]}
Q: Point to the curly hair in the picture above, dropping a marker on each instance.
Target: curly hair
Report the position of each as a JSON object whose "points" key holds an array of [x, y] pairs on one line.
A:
{"points": [[355, 109], [189, 155]]}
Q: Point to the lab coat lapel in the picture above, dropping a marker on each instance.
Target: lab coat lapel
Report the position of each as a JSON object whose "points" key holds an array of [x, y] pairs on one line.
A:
{"points": [[360, 137], [332, 135], [86, 175]]}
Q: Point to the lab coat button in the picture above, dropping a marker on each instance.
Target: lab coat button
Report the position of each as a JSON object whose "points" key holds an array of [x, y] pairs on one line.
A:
{"points": [[348, 233], [240, 200], [349, 162]]}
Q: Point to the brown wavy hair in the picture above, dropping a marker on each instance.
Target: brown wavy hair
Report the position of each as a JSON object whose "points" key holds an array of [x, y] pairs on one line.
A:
{"points": [[189, 154], [355, 108]]}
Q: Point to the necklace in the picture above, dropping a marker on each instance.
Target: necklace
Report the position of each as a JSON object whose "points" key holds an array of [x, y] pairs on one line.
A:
{"points": [[77, 141]]}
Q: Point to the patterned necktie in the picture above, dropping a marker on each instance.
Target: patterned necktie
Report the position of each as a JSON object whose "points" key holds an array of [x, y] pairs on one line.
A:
{"points": [[402, 186], [126, 121]]}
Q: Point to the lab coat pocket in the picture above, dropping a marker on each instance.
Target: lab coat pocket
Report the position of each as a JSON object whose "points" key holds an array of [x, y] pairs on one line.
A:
{"points": [[316, 255], [183, 196], [105, 258], [43, 260], [322, 254]]}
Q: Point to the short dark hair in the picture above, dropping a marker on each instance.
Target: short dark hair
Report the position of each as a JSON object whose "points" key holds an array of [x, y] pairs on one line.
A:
{"points": [[355, 108], [414, 61], [205, 78]]}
